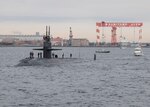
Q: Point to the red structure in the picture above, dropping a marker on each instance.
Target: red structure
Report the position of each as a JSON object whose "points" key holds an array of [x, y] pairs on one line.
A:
{"points": [[113, 36], [114, 26]]}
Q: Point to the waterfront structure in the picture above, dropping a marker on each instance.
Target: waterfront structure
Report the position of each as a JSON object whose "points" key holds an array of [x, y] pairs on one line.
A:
{"points": [[80, 42], [57, 41], [70, 37], [77, 41], [37, 33], [114, 26], [65, 42]]}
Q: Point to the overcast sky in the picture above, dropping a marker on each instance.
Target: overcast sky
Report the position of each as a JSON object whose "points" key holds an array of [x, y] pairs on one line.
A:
{"points": [[29, 16]]}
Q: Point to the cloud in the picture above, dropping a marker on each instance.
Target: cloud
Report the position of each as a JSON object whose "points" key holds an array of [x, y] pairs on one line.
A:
{"points": [[78, 13], [74, 9]]}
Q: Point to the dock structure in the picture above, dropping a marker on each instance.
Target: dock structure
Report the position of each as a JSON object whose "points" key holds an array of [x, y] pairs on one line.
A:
{"points": [[47, 45]]}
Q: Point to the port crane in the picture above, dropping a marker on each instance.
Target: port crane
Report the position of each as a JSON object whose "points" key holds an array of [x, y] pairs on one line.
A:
{"points": [[114, 26]]}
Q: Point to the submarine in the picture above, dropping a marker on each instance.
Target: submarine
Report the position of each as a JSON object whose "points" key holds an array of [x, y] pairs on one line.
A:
{"points": [[48, 58], [47, 45]]}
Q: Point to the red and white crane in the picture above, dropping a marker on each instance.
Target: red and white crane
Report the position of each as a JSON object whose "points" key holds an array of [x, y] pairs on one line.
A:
{"points": [[114, 26]]}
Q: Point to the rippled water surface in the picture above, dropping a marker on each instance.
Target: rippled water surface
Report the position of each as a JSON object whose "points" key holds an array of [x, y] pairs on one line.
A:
{"points": [[117, 79]]}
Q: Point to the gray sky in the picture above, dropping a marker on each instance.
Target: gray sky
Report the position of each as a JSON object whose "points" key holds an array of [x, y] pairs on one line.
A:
{"points": [[29, 16]]}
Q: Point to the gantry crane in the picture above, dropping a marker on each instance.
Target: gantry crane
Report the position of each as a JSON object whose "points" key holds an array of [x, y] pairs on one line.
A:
{"points": [[114, 26]]}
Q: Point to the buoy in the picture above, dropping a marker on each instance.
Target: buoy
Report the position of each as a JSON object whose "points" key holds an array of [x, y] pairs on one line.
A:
{"points": [[94, 56]]}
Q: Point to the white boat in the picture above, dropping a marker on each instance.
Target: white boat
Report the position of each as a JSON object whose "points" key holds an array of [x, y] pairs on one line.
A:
{"points": [[138, 51]]}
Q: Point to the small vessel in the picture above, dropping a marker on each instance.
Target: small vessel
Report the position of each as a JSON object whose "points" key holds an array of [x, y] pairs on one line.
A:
{"points": [[102, 51], [138, 51]]}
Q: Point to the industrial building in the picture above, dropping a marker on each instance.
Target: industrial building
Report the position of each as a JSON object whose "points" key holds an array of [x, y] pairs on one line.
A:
{"points": [[77, 41], [57, 41], [80, 42]]}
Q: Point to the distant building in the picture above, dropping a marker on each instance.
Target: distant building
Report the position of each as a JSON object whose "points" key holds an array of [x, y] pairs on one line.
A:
{"points": [[65, 42], [8, 40], [37, 33], [57, 41], [77, 41], [80, 42]]}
